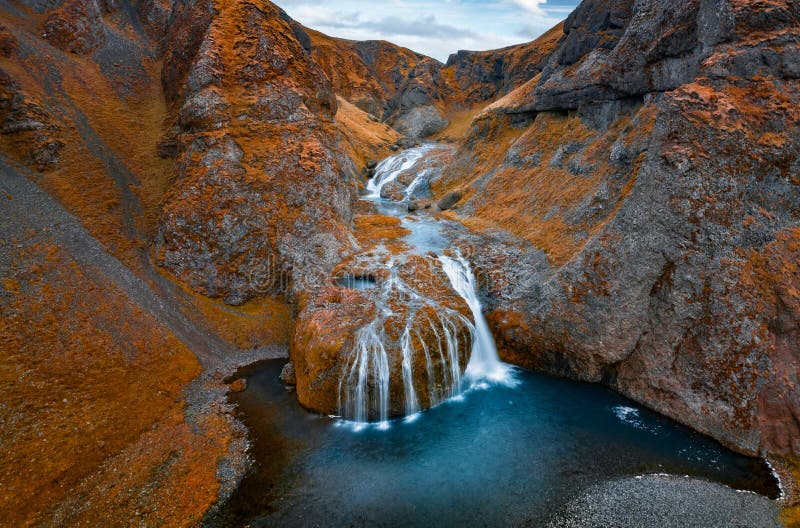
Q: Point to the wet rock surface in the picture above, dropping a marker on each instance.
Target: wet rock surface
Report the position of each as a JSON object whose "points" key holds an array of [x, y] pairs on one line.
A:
{"points": [[409, 323]]}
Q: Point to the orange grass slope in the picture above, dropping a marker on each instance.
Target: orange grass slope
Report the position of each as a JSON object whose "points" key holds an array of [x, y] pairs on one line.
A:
{"points": [[364, 138], [92, 386], [542, 176], [97, 117]]}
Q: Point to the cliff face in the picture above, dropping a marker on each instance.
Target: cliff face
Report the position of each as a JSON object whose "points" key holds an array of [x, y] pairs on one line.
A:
{"points": [[369, 74], [97, 356], [259, 176], [416, 94], [651, 172], [199, 136], [482, 76]]}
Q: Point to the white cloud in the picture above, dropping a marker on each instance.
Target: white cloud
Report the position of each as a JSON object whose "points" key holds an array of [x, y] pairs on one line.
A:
{"points": [[532, 6], [435, 28]]}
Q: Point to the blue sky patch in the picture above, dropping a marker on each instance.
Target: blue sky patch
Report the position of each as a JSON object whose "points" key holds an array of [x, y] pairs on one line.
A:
{"points": [[433, 28]]}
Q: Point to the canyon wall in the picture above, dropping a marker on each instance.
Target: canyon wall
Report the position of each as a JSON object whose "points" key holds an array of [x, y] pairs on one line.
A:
{"points": [[650, 177], [419, 95], [259, 176], [159, 160], [96, 353], [179, 177]]}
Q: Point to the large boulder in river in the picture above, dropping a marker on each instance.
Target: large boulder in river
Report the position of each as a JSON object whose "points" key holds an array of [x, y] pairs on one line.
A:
{"points": [[421, 122], [650, 175], [385, 332], [393, 190]]}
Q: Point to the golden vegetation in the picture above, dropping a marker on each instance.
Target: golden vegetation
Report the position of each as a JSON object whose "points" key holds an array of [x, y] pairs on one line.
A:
{"points": [[365, 138], [791, 515], [550, 181], [373, 230], [94, 388], [459, 122], [367, 84], [109, 174], [264, 321]]}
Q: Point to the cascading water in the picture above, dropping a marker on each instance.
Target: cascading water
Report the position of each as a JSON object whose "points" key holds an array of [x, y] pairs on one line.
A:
{"points": [[389, 169], [364, 388], [484, 363], [428, 356], [366, 384], [411, 402], [422, 179]]}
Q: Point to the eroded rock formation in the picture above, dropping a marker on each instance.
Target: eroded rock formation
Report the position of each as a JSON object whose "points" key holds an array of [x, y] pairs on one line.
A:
{"points": [[405, 326], [653, 171], [417, 95], [259, 178]]}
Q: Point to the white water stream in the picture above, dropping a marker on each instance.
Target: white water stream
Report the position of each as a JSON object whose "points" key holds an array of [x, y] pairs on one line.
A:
{"points": [[389, 169], [484, 363], [364, 389]]}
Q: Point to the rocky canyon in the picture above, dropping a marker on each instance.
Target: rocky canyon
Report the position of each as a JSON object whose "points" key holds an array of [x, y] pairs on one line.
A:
{"points": [[183, 196]]}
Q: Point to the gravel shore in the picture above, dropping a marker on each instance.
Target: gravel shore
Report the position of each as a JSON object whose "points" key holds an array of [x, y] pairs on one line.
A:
{"points": [[666, 502]]}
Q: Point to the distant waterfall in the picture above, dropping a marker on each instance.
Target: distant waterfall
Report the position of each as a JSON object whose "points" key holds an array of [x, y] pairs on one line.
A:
{"points": [[484, 364], [389, 169]]}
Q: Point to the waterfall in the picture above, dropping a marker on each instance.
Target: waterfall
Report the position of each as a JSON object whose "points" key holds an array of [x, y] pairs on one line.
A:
{"points": [[484, 363], [365, 387], [366, 381], [412, 403], [412, 354], [389, 169], [422, 179]]}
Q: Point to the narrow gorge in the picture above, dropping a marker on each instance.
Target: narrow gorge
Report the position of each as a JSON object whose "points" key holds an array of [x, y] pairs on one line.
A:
{"points": [[255, 275]]}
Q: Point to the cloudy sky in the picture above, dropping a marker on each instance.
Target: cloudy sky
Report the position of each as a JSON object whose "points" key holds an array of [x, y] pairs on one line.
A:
{"points": [[434, 28]]}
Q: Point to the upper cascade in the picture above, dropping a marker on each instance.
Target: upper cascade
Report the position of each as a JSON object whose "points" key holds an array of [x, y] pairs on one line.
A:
{"points": [[392, 167]]}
